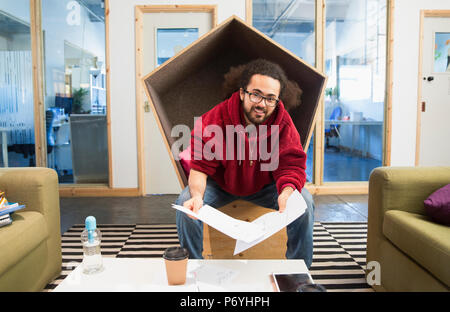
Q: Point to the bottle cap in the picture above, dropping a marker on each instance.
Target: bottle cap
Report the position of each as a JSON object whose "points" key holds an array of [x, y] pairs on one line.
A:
{"points": [[91, 223]]}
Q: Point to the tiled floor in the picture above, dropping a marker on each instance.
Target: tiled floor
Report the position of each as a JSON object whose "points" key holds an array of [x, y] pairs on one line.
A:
{"points": [[156, 209], [341, 208]]}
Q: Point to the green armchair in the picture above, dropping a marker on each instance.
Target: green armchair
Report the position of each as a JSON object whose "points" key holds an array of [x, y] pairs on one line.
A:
{"points": [[30, 248], [413, 252]]}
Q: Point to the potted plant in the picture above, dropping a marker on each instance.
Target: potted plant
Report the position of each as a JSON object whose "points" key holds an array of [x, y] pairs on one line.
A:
{"points": [[77, 103]]}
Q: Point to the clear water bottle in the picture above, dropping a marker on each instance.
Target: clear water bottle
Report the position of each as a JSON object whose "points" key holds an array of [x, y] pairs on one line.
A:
{"points": [[91, 238]]}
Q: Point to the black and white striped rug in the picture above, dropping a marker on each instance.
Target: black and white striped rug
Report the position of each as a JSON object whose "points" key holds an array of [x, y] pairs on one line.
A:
{"points": [[338, 262]]}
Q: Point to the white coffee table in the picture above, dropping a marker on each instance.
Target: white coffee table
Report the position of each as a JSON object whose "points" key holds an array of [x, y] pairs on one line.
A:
{"points": [[136, 274]]}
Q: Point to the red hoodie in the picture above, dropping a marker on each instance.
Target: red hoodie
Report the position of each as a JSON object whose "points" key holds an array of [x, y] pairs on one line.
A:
{"points": [[242, 176]]}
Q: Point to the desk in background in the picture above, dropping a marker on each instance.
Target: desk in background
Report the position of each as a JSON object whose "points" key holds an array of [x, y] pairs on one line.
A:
{"points": [[89, 142], [62, 154], [4, 141], [356, 124]]}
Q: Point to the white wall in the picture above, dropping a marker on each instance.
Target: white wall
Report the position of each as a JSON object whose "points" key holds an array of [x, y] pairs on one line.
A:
{"points": [[123, 81], [406, 66]]}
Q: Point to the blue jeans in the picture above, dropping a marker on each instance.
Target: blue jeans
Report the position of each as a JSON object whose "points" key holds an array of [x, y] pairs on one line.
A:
{"points": [[299, 232]]}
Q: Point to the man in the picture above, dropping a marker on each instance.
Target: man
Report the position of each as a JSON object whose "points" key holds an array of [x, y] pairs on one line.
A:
{"points": [[218, 181]]}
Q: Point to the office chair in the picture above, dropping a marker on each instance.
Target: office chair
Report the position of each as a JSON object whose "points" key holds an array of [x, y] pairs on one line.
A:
{"points": [[64, 102], [333, 130]]}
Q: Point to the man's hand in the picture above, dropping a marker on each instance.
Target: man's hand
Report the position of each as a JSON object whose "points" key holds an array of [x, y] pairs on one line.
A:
{"points": [[194, 204], [283, 197], [197, 186]]}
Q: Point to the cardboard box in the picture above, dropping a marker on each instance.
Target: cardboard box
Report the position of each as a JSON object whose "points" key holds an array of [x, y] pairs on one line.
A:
{"points": [[217, 245], [190, 84]]}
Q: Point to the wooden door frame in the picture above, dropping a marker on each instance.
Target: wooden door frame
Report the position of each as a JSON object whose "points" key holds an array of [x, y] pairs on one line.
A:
{"points": [[249, 12], [67, 190], [389, 85], [318, 154], [356, 187], [95, 190], [38, 83], [140, 10], [423, 15]]}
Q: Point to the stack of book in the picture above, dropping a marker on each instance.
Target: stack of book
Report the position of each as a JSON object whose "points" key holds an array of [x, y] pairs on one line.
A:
{"points": [[5, 220], [6, 209]]}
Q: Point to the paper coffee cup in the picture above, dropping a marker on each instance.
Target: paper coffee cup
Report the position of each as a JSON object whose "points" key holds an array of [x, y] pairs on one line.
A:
{"points": [[176, 259]]}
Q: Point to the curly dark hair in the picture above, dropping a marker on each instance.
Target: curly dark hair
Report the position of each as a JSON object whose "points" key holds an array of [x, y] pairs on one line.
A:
{"points": [[239, 77]]}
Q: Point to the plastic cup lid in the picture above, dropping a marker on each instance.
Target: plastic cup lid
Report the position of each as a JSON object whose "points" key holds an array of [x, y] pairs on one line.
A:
{"points": [[175, 253]]}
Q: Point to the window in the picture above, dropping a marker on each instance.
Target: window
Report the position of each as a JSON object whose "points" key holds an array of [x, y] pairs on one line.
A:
{"points": [[170, 41], [355, 53], [442, 52]]}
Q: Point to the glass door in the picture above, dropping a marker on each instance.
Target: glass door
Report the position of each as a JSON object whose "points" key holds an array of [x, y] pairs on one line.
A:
{"points": [[355, 54], [17, 135], [75, 90]]}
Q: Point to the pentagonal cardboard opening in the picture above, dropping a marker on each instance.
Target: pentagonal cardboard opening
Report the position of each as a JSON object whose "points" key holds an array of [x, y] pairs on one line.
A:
{"points": [[190, 84]]}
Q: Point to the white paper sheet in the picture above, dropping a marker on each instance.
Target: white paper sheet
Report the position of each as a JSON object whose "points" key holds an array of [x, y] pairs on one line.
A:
{"points": [[213, 277], [248, 234], [237, 229], [273, 222]]}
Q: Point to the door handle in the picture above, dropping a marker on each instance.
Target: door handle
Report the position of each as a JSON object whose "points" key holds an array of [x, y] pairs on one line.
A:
{"points": [[423, 106], [430, 78]]}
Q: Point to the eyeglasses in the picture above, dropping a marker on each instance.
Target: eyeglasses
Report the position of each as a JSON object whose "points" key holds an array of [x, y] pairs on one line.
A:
{"points": [[257, 98]]}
